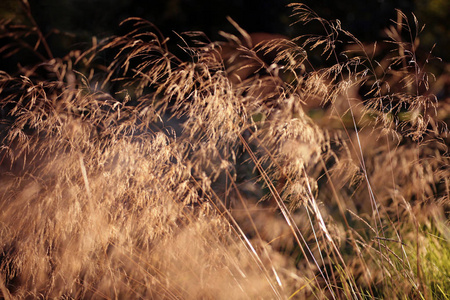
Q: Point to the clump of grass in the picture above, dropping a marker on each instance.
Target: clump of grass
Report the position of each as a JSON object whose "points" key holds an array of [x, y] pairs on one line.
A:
{"points": [[161, 177]]}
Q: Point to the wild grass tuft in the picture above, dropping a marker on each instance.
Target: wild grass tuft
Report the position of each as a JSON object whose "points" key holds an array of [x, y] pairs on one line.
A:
{"points": [[244, 171]]}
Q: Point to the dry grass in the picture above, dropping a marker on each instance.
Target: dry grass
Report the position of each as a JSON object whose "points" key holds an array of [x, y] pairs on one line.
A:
{"points": [[159, 178]]}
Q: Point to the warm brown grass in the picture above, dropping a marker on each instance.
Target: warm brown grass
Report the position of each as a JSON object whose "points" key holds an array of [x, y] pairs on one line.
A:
{"points": [[159, 178]]}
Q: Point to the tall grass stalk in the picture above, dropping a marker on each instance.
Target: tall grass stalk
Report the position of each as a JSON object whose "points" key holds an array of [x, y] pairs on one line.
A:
{"points": [[242, 172]]}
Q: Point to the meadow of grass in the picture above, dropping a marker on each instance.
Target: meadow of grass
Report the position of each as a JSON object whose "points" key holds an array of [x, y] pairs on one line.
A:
{"points": [[216, 173]]}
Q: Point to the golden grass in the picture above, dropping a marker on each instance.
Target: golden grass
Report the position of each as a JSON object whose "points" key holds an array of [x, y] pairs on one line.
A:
{"points": [[158, 178]]}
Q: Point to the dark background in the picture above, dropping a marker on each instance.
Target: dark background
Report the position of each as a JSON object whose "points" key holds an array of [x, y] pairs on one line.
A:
{"points": [[72, 23]]}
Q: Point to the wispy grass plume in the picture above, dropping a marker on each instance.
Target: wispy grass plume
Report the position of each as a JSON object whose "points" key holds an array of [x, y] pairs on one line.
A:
{"points": [[234, 170]]}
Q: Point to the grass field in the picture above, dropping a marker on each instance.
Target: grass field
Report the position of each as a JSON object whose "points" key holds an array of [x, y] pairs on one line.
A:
{"points": [[226, 170]]}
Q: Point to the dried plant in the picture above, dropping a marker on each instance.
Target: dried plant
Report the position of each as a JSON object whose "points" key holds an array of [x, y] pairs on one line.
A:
{"points": [[243, 172]]}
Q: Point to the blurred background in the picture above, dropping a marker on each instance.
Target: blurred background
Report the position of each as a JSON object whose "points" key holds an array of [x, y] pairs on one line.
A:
{"points": [[70, 24]]}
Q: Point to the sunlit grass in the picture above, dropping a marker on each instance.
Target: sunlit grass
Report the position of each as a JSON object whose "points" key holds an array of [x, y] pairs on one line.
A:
{"points": [[243, 172]]}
